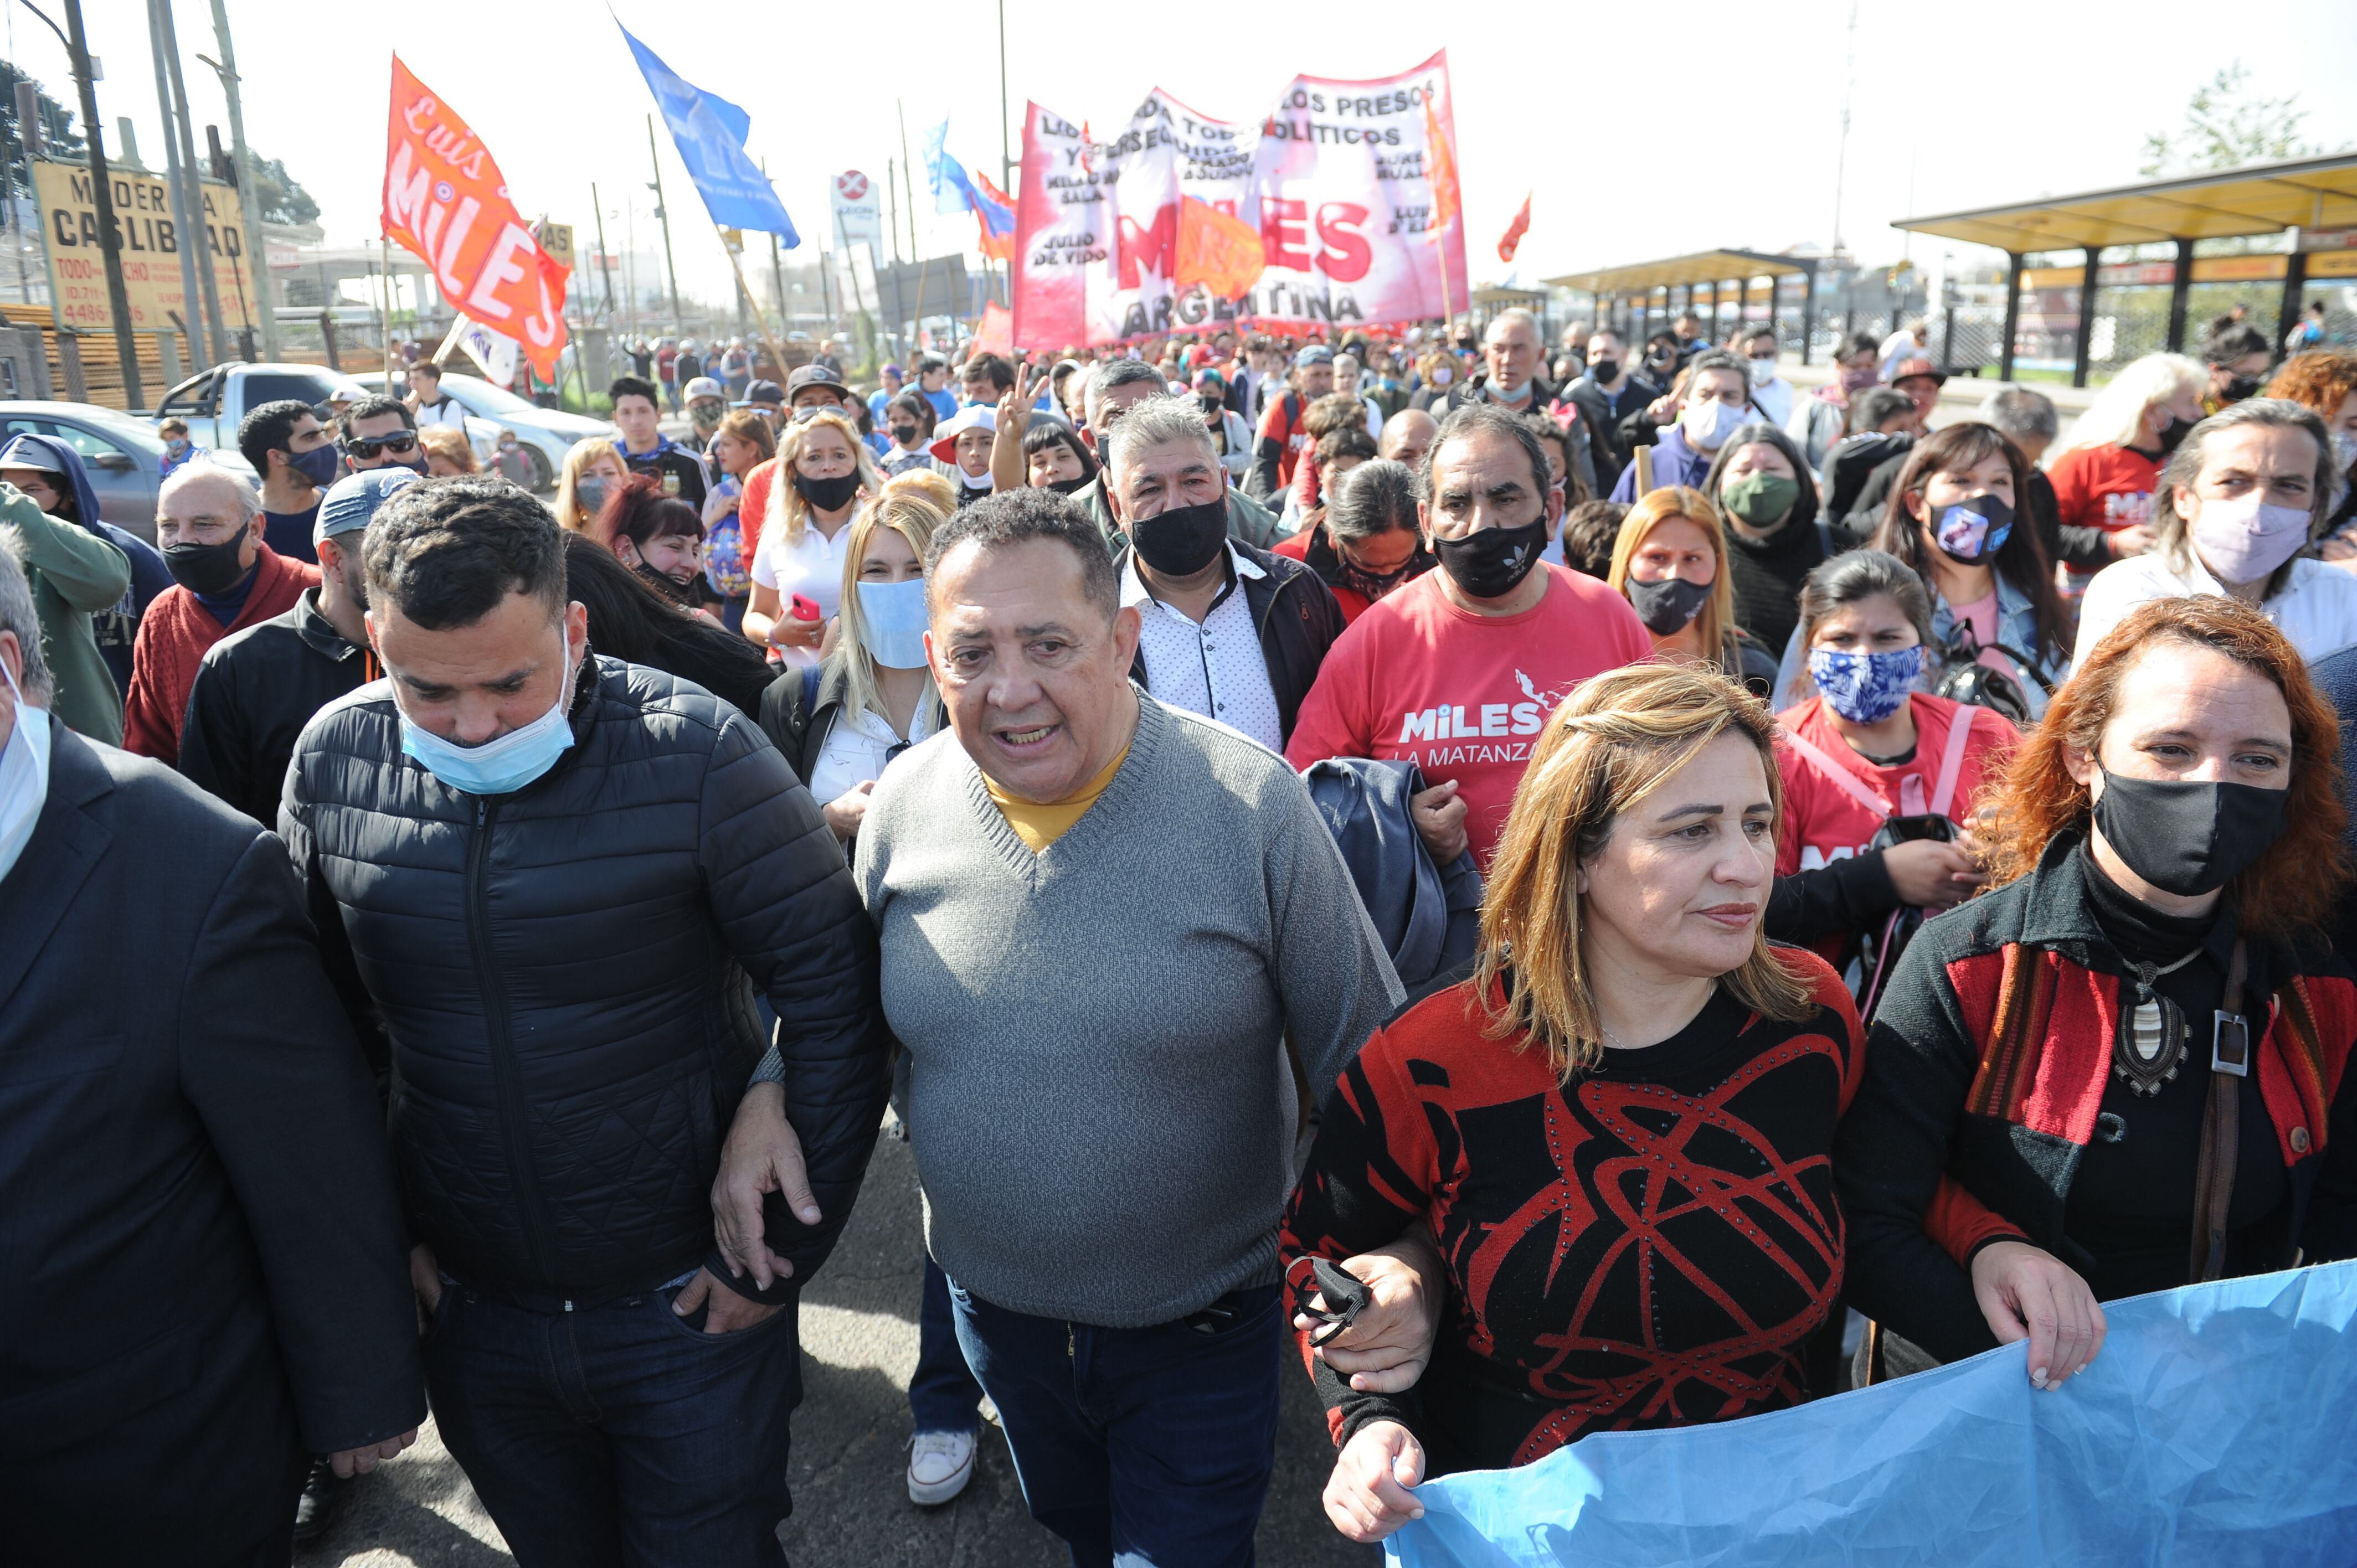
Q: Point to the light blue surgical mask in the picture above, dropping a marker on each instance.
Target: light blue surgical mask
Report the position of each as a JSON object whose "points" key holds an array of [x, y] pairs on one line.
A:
{"points": [[23, 777], [498, 767], [895, 616]]}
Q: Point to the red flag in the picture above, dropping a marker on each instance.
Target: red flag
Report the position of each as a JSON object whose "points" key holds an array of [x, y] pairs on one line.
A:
{"points": [[446, 201], [997, 333], [1440, 168], [1514, 232], [1222, 254], [999, 247]]}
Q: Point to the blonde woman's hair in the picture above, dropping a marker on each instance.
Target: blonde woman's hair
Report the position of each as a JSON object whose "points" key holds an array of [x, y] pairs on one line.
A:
{"points": [[1609, 745], [789, 514], [1717, 620], [450, 445], [2112, 419], [912, 505], [579, 458]]}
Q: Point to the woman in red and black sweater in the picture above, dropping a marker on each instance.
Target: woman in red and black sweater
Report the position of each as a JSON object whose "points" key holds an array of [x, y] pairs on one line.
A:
{"points": [[2029, 1138], [1616, 1132]]}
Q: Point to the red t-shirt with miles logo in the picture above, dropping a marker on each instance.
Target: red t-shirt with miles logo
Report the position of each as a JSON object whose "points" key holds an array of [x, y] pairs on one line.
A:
{"points": [[1463, 695]]}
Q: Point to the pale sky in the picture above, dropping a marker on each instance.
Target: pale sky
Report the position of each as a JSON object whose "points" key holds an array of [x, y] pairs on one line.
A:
{"points": [[1971, 105]]}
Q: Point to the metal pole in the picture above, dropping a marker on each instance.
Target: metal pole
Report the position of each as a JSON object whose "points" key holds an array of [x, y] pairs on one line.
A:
{"points": [[776, 352], [1005, 148], [247, 191], [892, 191], [177, 194], [2012, 313], [678, 317], [2295, 293], [2081, 353], [11, 150], [2180, 280], [778, 280], [101, 180], [605, 261], [384, 300], [206, 280], [909, 164]]}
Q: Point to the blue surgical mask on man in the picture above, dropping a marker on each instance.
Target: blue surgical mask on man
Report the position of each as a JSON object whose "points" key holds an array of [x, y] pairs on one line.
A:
{"points": [[498, 767], [895, 618], [24, 776]]}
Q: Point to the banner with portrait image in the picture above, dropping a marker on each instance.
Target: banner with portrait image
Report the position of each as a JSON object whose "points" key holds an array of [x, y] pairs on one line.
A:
{"points": [[1333, 180]]}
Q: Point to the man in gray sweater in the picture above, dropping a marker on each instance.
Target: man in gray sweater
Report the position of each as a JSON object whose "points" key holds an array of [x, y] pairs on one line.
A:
{"points": [[1101, 919]]}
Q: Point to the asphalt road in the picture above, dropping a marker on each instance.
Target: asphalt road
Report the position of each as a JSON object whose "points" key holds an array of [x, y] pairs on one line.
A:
{"points": [[851, 1502]]}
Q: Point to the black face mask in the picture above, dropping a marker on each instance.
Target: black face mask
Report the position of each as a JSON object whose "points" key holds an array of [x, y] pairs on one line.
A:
{"points": [[1183, 539], [1603, 372], [904, 434], [2185, 837], [208, 569], [1669, 605], [2240, 388], [670, 591], [1491, 563], [827, 494], [1067, 487], [2173, 433]]}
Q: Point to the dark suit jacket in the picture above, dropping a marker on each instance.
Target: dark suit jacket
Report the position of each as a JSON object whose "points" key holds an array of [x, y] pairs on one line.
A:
{"points": [[203, 1270]]}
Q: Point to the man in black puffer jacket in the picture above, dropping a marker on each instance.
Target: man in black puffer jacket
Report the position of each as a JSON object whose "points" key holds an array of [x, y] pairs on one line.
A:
{"points": [[555, 874]]}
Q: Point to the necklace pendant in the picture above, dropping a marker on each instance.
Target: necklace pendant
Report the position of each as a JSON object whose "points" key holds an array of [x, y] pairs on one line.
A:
{"points": [[2150, 1042]]}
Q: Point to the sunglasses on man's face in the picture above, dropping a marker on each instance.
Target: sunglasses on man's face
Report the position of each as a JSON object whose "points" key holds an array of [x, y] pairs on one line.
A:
{"points": [[398, 444]]}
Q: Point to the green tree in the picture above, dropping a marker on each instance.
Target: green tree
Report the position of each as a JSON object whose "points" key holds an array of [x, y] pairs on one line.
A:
{"points": [[56, 123], [2227, 124], [281, 197]]}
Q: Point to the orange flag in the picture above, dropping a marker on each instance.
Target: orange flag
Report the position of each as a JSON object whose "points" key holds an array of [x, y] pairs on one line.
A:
{"points": [[446, 202], [997, 333], [997, 247], [1220, 252], [1512, 239], [1440, 170]]}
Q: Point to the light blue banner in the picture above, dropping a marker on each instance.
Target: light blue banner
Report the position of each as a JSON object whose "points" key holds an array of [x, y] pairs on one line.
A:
{"points": [[710, 132], [2218, 1426]]}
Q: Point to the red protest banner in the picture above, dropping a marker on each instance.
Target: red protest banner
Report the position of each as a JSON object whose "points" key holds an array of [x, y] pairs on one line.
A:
{"points": [[446, 202]]}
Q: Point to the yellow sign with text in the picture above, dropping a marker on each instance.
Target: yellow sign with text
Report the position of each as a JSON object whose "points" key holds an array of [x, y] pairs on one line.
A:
{"points": [[150, 245]]}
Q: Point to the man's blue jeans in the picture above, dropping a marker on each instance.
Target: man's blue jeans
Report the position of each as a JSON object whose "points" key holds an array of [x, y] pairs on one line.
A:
{"points": [[1139, 1447], [942, 1395], [620, 1434]]}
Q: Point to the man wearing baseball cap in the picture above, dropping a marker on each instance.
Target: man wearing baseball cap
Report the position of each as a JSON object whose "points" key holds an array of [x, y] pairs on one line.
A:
{"points": [[1281, 438], [816, 386], [256, 691], [963, 442], [1921, 381], [767, 399], [707, 405]]}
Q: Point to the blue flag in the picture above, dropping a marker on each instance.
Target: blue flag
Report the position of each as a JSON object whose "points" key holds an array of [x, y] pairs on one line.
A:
{"points": [[2213, 1427], [953, 191], [710, 132]]}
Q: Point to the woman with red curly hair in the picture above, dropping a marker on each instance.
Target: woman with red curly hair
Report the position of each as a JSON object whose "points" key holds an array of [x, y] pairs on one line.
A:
{"points": [[2124, 1068]]}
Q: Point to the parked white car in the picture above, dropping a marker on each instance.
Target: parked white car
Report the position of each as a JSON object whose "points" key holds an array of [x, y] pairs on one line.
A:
{"points": [[214, 403], [546, 434]]}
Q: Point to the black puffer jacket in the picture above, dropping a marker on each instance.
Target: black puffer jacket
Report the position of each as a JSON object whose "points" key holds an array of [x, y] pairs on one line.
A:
{"points": [[563, 972]]}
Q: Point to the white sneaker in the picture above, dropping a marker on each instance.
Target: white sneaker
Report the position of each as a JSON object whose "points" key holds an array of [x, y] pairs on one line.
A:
{"points": [[940, 1465]]}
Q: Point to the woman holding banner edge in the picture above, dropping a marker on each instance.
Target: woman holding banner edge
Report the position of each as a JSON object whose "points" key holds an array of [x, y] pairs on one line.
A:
{"points": [[1618, 1132]]}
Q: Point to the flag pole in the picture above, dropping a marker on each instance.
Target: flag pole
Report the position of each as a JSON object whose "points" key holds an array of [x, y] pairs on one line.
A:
{"points": [[777, 354], [1448, 312]]}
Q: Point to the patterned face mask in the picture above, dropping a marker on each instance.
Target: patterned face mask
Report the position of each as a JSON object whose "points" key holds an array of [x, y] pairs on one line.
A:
{"points": [[1864, 688]]}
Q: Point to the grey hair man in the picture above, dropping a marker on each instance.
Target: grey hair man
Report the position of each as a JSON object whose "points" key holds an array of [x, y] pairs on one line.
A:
{"points": [[1226, 629], [214, 535], [1105, 1140], [199, 1166], [2233, 512], [1113, 389]]}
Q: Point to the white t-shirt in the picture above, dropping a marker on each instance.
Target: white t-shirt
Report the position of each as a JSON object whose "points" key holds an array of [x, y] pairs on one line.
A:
{"points": [[860, 745], [446, 413], [1902, 345], [812, 569], [2317, 609]]}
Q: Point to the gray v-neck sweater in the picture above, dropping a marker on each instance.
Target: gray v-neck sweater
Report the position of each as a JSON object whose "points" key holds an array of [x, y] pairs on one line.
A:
{"points": [[1099, 1099]]}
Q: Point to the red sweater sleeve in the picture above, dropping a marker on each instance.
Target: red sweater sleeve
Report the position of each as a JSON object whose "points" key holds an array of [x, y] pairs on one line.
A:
{"points": [[753, 506], [1333, 720], [147, 730]]}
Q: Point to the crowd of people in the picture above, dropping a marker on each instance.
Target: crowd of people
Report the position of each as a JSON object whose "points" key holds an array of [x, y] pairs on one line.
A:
{"points": [[1578, 887]]}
